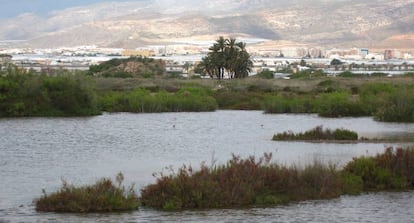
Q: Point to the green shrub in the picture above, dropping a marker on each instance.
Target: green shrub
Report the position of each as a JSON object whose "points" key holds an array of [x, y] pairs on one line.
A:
{"points": [[352, 184], [240, 100], [70, 96], [398, 106], [283, 104], [338, 104], [373, 96], [391, 170], [344, 134], [36, 95], [103, 196]]}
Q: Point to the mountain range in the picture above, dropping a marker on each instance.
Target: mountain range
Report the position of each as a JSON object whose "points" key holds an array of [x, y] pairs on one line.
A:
{"points": [[313, 23]]}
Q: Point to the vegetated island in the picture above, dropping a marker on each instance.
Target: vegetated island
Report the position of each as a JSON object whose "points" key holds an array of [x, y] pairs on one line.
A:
{"points": [[240, 183], [321, 135]]}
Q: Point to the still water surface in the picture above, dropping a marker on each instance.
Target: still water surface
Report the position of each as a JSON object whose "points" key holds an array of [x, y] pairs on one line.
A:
{"points": [[35, 153]]}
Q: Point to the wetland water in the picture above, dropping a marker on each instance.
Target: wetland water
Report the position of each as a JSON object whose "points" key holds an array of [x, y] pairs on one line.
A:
{"points": [[35, 153]]}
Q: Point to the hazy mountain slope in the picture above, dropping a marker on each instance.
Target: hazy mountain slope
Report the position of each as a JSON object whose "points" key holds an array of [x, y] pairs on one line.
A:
{"points": [[131, 24]]}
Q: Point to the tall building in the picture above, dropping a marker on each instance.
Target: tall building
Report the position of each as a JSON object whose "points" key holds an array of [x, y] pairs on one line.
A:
{"points": [[363, 52], [388, 54], [392, 54]]}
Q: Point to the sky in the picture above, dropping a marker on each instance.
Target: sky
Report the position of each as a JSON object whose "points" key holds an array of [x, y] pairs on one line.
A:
{"points": [[12, 8]]}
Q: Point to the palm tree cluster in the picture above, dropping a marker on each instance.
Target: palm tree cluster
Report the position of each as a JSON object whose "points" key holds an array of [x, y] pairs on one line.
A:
{"points": [[227, 56]]}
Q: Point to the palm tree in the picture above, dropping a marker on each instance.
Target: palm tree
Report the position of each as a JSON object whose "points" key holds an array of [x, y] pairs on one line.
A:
{"points": [[243, 64], [231, 56], [227, 55], [219, 49], [205, 66]]}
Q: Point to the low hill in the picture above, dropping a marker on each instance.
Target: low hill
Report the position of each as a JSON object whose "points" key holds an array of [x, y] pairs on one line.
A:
{"points": [[130, 67]]}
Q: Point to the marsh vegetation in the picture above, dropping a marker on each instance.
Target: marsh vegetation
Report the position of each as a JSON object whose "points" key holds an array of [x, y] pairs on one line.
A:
{"points": [[242, 183], [29, 93]]}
